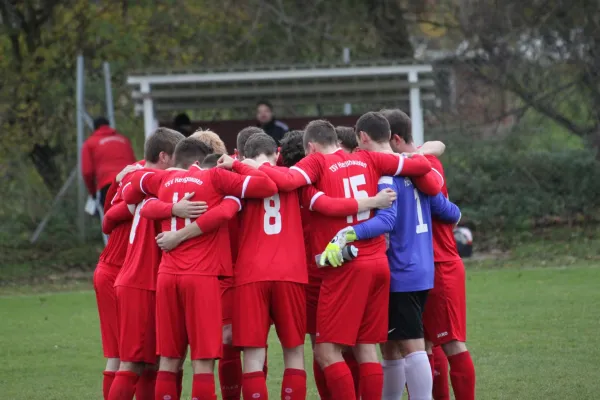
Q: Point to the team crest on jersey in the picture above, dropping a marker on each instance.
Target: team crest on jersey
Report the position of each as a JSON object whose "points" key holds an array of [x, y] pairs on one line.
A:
{"points": [[407, 182]]}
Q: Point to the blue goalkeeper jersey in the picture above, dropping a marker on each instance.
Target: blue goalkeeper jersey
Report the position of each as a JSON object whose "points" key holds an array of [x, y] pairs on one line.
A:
{"points": [[408, 222]]}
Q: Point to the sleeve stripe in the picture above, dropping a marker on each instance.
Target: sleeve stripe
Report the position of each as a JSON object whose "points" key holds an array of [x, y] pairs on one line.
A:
{"points": [[314, 199], [142, 180], [245, 186], [438, 172], [400, 165], [386, 180], [236, 200], [304, 174]]}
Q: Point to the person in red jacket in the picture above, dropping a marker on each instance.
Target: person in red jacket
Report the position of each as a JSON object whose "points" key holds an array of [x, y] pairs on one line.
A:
{"points": [[104, 154]]}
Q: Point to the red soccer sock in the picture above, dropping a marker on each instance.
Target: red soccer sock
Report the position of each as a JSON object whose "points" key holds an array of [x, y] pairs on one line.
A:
{"points": [[166, 386], [109, 377], [123, 387], [320, 381], [339, 381], [371, 381], [230, 373], [179, 383], [293, 386], [462, 375], [144, 389], [440, 375], [254, 386], [355, 369], [203, 387]]}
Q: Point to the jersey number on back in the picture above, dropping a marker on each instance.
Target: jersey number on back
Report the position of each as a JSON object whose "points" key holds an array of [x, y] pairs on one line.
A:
{"points": [[351, 190], [421, 227], [272, 219], [174, 219]]}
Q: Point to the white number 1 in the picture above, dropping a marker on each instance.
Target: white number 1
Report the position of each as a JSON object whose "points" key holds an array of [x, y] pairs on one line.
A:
{"points": [[174, 219], [422, 227], [351, 190], [272, 206]]}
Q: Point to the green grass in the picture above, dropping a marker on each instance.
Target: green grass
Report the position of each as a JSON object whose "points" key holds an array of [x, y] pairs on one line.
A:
{"points": [[533, 334]]}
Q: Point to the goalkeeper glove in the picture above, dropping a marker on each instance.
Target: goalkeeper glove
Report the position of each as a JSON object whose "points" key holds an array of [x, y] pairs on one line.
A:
{"points": [[333, 251]]}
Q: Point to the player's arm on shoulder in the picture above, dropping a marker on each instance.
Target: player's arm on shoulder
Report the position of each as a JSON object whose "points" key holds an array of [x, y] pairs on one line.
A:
{"points": [[206, 223], [433, 147], [431, 183], [137, 185], [184, 208], [305, 172], [242, 186], [444, 210], [117, 214], [318, 201], [110, 196], [384, 219]]}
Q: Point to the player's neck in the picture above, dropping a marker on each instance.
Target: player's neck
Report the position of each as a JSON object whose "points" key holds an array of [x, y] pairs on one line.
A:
{"points": [[152, 165], [411, 148], [261, 159], [328, 149], [381, 147]]}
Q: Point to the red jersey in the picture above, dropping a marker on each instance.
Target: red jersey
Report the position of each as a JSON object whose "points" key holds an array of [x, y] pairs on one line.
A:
{"points": [[444, 244], [103, 156], [346, 175], [143, 254], [234, 237], [273, 242], [202, 255]]}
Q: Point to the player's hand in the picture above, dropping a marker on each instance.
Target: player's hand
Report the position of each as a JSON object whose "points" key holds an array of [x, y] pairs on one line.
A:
{"points": [[185, 208], [225, 161], [127, 170], [250, 162], [168, 240], [385, 198], [333, 251]]}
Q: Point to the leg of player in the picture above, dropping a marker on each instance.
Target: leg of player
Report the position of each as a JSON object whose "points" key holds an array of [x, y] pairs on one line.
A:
{"points": [[417, 369], [354, 368], [319, 374], [167, 378], [112, 366], [337, 374], [254, 385], [462, 370], [371, 372], [203, 387], [439, 365], [144, 389], [394, 378], [230, 368], [123, 387], [293, 386]]}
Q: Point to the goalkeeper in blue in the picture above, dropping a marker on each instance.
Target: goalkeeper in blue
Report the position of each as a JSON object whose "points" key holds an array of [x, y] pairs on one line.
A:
{"points": [[410, 253]]}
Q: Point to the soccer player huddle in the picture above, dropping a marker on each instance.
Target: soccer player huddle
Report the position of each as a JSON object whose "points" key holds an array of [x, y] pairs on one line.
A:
{"points": [[345, 234]]}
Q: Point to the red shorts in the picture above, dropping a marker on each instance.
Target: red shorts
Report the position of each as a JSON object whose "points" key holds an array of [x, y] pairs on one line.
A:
{"points": [[136, 309], [445, 316], [255, 304], [353, 303], [106, 299], [227, 300], [188, 311], [312, 299]]}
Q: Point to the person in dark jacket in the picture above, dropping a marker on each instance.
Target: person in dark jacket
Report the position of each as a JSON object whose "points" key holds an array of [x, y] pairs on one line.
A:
{"points": [[103, 155], [272, 127]]}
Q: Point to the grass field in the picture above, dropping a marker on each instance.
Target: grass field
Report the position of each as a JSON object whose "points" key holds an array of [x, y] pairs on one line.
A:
{"points": [[533, 334]]}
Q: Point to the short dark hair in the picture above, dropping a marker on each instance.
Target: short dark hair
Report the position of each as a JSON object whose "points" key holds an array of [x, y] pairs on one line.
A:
{"points": [[400, 123], [182, 119], [375, 125], [320, 131], [243, 137], [347, 137], [189, 151], [264, 102], [100, 121], [292, 148], [163, 139], [260, 144], [210, 161]]}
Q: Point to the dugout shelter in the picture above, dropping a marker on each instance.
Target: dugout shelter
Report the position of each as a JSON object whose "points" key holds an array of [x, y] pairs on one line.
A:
{"points": [[224, 100]]}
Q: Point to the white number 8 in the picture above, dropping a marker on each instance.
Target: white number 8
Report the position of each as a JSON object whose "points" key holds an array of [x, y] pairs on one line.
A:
{"points": [[272, 207]]}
